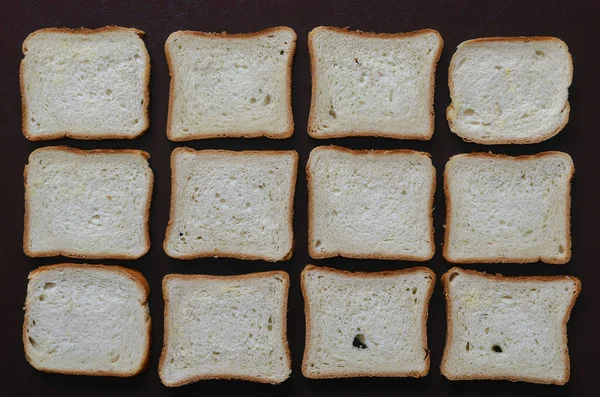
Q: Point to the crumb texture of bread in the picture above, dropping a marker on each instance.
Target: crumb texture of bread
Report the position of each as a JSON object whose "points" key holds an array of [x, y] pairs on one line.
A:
{"points": [[85, 84], [87, 203], [368, 84], [225, 327], [509, 90], [232, 204], [370, 204], [228, 85], [508, 209], [87, 320], [366, 324], [511, 328]]}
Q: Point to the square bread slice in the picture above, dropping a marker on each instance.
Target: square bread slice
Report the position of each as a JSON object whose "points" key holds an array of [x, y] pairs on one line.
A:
{"points": [[368, 84], [366, 324], [87, 320], [225, 327], [507, 328], [508, 209], [509, 89], [230, 85], [85, 84], [370, 204], [232, 204], [91, 204]]}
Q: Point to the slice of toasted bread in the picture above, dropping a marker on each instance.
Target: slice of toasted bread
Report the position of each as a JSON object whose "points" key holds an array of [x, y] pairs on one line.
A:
{"points": [[230, 85], [370, 204], [85, 84], [508, 209], [225, 327], [87, 320], [509, 89], [366, 324], [232, 204], [368, 84], [91, 204], [507, 328]]}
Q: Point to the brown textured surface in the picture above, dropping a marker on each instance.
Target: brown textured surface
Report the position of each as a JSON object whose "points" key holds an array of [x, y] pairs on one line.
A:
{"points": [[573, 22]]}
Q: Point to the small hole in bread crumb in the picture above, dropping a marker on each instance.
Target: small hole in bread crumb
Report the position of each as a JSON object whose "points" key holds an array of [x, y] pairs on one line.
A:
{"points": [[468, 346], [318, 243], [468, 112], [359, 341], [452, 276], [561, 249], [267, 99], [497, 349], [42, 297], [414, 290], [33, 342]]}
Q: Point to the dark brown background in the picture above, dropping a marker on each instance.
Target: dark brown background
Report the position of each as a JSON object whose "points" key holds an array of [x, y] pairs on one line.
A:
{"points": [[574, 22]]}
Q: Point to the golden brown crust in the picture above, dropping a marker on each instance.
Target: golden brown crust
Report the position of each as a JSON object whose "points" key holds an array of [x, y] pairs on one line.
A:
{"points": [[311, 213], [312, 131], [134, 275], [447, 278], [524, 140], [249, 276], [68, 254], [222, 254], [69, 134], [448, 225], [233, 134], [380, 274]]}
